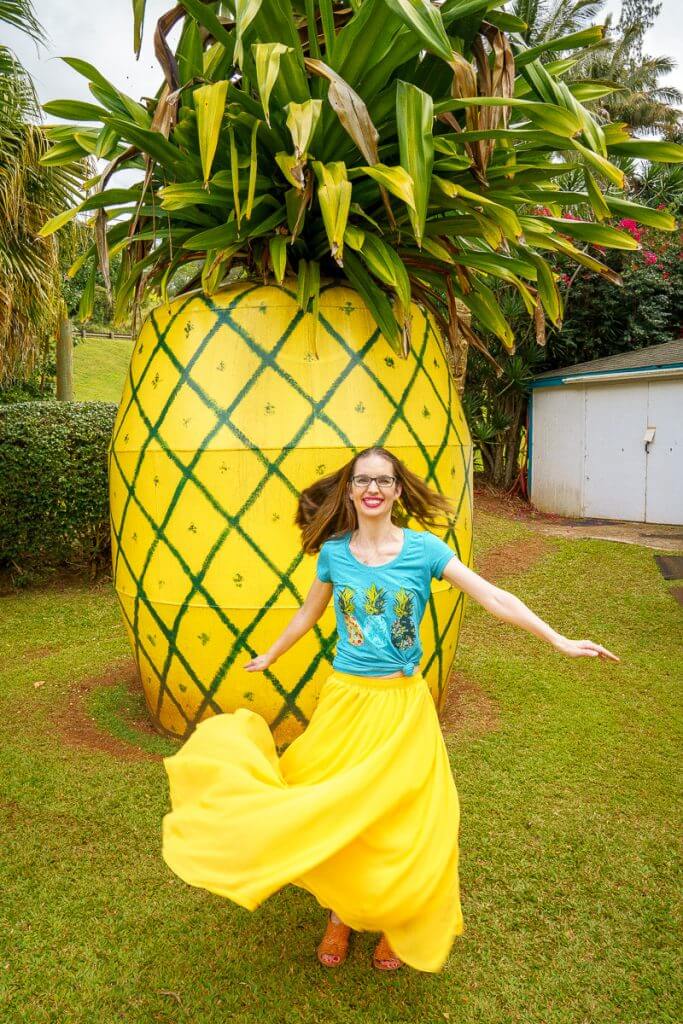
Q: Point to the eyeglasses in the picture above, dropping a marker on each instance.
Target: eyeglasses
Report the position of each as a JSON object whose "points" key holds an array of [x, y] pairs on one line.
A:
{"points": [[383, 482]]}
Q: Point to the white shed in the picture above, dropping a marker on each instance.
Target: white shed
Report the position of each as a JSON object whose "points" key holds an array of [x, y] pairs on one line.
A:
{"points": [[606, 437]]}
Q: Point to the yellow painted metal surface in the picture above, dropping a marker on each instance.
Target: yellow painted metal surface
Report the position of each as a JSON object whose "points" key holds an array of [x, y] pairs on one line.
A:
{"points": [[226, 415]]}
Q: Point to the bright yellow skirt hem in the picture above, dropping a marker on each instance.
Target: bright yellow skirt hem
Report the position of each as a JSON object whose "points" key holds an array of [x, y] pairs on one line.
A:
{"points": [[361, 810]]}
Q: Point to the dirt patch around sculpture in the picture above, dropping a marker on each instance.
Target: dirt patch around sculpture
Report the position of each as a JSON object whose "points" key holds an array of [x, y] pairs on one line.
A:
{"points": [[513, 557], [78, 729], [468, 712]]}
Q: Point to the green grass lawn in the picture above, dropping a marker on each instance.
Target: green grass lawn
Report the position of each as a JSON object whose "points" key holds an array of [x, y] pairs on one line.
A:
{"points": [[569, 862], [100, 367]]}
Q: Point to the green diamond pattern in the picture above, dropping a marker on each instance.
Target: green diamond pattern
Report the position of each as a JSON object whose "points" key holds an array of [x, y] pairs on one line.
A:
{"points": [[356, 358]]}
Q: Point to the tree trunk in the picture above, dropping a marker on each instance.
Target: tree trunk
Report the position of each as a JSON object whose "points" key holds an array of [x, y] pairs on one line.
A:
{"points": [[65, 360], [487, 459], [514, 439]]}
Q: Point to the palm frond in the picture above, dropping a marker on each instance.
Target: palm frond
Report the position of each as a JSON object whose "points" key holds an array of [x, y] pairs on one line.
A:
{"points": [[21, 14]]}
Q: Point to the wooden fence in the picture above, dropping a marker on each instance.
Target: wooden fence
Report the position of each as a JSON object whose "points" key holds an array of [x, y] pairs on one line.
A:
{"points": [[82, 333]]}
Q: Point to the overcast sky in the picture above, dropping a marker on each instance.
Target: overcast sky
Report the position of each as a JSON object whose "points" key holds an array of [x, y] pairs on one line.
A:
{"points": [[102, 33]]}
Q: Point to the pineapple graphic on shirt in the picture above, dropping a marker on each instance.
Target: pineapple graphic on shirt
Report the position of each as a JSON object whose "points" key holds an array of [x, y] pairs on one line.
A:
{"points": [[348, 608], [403, 634], [376, 629]]}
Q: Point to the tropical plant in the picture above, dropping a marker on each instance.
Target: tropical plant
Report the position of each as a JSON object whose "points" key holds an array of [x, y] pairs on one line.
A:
{"points": [[640, 99], [21, 14], [30, 192], [647, 310], [657, 185], [600, 320], [495, 398], [615, 70], [398, 145]]}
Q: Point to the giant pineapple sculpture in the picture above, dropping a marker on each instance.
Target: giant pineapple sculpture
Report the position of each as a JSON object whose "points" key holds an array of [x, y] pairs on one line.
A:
{"points": [[224, 418], [325, 195]]}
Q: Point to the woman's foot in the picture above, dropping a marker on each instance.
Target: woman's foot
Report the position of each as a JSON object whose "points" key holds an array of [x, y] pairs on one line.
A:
{"points": [[335, 942], [384, 958]]}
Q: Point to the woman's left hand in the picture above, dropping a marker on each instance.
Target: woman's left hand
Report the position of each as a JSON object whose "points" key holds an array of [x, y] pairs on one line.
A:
{"points": [[583, 649]]}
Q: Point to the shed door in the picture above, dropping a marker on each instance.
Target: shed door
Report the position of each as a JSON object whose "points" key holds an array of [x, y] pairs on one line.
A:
{"points": [[664, 483], [614, 467]]}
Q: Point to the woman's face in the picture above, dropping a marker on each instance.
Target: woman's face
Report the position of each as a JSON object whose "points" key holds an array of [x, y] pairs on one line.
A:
{"points": [[374, 494]]}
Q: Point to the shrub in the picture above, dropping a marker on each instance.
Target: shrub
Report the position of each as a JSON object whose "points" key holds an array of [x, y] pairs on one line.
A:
{"points": [[602, 319], [53, 486]]}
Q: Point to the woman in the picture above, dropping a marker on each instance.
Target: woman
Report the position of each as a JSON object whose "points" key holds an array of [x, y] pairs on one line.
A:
{"points": [[361, 809]]}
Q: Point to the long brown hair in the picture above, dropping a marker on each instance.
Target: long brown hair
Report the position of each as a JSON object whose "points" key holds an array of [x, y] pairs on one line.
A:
{"points": [[326, 510]]}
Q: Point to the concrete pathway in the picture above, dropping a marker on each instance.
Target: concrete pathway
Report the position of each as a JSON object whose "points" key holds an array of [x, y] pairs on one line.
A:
{"points": [[649, 535], [658, 536]]}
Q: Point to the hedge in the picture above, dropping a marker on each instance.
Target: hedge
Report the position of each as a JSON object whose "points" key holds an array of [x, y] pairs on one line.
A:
{"points": [[53, 485]]}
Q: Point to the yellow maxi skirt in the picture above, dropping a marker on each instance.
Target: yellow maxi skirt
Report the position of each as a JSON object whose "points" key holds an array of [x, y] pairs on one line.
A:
{"points": [[361, 810]]}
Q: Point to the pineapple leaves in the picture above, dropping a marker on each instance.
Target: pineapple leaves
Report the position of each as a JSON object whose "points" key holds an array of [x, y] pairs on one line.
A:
{"points": [[334, 196], [74, 110], [424, 20], [662, 152], [388, 267], [209, 103], [407, 145], [138, 24], [277, 247], [597, 199], [291, 168], [386, 264], [350, 109], [375, 299], [205, 15], [414, 117], [482, 302], [87, 303], [245, 12], [308, 295], [302, 120], [253, 170], [547, 288], [267, 60], [395, 180]]}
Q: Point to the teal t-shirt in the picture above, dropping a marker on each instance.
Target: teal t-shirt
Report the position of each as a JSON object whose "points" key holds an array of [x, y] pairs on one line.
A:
{"points": [[379, 608]]}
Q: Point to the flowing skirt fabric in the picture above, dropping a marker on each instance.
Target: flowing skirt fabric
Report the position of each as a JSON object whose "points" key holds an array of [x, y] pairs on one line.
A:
{"points": [[361, 810]]}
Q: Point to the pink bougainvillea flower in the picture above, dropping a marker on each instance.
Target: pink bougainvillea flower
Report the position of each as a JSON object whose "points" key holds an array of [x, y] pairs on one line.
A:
{"points": [[569, 216], [630, 225]]}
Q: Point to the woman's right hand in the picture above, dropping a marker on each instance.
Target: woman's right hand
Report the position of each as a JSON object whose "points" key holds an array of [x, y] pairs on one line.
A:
{"points": [[260, 663]]}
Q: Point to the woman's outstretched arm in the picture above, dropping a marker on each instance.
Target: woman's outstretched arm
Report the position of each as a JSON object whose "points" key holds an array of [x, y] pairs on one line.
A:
{"points": [[508, 608], [316, 602]]}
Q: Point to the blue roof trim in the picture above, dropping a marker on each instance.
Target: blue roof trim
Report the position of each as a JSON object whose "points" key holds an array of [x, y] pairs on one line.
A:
{"points": [[553, 382]]}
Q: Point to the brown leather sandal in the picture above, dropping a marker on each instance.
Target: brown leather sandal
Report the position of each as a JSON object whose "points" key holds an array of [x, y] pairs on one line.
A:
{"points": [[384, 955], [335, 942]]}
